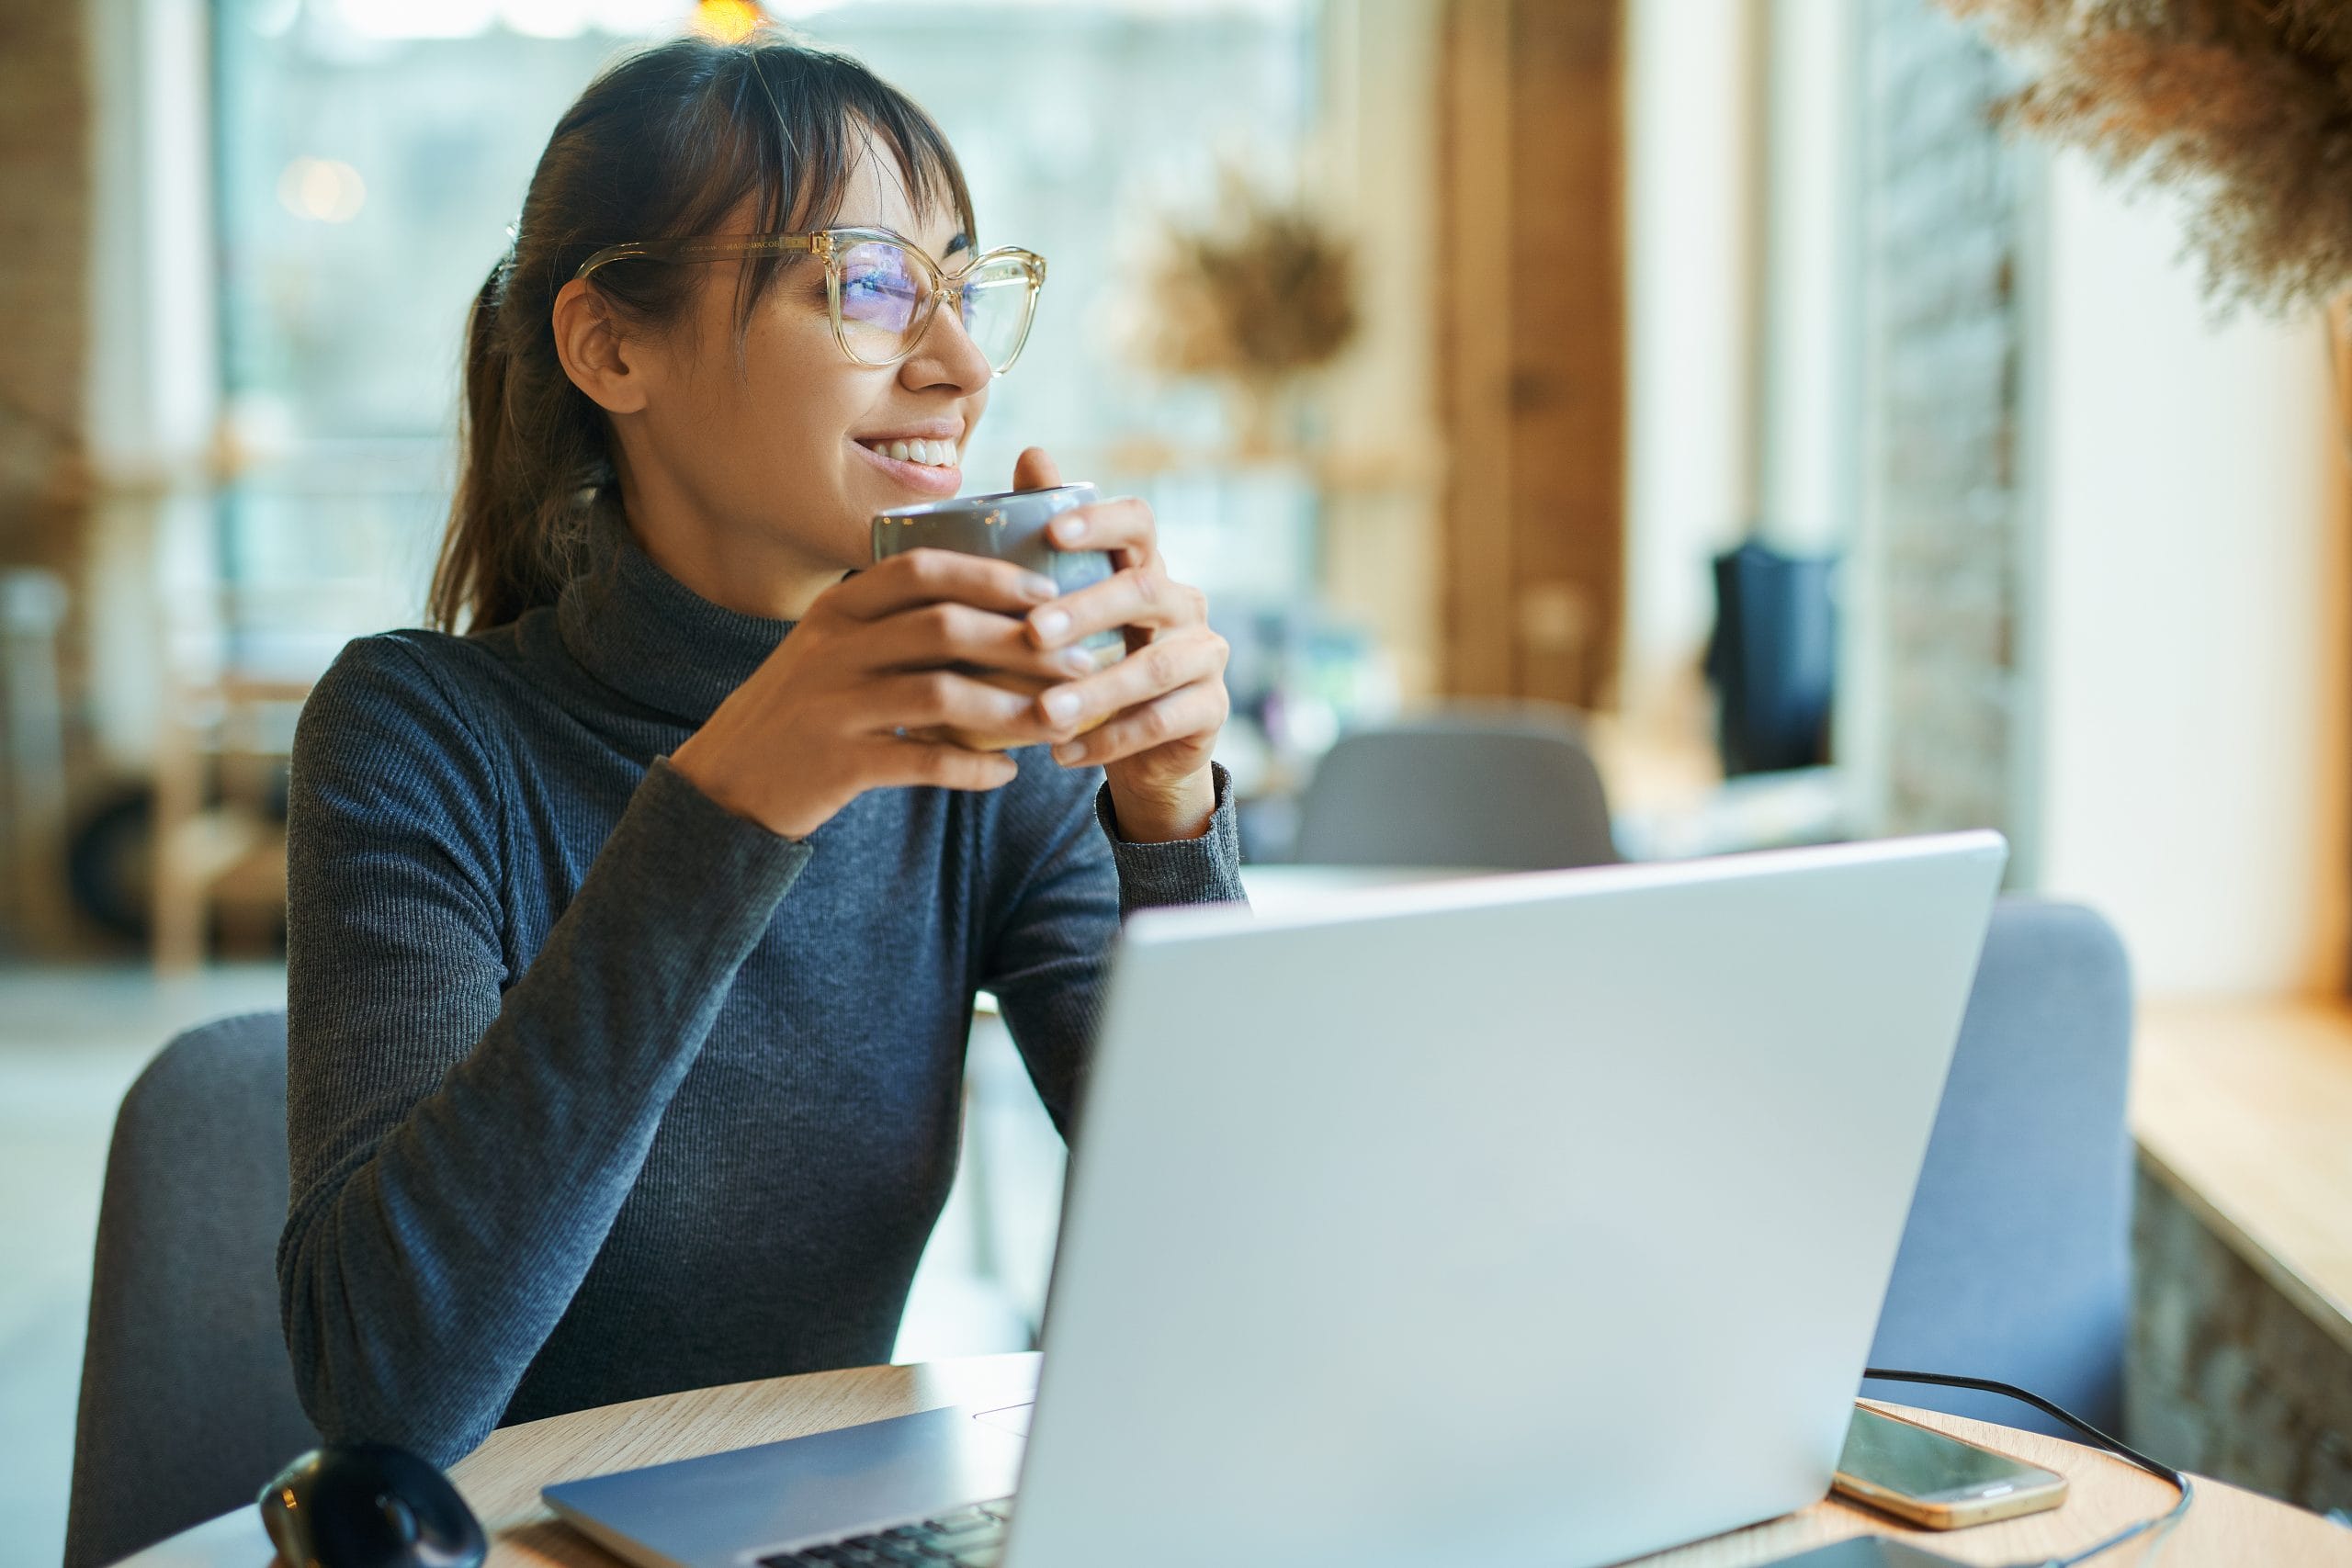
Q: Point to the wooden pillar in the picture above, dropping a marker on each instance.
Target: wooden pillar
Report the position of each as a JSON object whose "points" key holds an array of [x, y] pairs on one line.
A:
{"points": [[1530, 285], [46, 156], [45, 180]]}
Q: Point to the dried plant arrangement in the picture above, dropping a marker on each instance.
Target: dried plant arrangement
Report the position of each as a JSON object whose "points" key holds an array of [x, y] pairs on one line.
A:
{"points": [[1259, 297], [2244, 108]]}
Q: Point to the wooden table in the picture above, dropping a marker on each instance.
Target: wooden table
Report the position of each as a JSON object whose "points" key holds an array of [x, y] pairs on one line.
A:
{"points": [[501, 1480]]}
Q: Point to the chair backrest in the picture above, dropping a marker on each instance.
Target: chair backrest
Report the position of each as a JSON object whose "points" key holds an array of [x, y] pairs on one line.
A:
{"points": [[1502, 787], [2015, 1264], [187, 1398]]}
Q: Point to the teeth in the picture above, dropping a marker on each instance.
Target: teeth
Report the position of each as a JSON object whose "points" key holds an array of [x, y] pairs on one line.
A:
{"points": [[930, 454]]}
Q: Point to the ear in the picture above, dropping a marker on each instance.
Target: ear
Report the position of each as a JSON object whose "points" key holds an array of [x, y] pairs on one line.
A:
{"points": [[600, 361]]}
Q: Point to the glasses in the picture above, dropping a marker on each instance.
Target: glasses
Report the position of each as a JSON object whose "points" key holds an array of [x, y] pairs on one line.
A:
{"points": [[881, 288]]}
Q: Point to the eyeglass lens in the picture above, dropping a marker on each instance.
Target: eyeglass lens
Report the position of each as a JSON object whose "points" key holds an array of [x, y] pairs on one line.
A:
{"points": [[885, 292]]}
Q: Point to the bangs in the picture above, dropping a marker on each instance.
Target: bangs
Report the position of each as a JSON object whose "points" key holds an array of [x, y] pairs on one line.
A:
{"points": [[782, 130], [804, 127]]}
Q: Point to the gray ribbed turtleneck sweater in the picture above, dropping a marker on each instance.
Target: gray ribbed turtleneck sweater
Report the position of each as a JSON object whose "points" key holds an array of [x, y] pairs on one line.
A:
{"points": [[596, 1091]]}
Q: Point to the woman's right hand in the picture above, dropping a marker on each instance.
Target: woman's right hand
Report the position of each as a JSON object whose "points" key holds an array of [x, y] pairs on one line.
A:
{"points": [[837, 708]]}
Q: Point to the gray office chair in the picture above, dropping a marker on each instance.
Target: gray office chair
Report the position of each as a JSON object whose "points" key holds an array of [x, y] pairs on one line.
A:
{"points": [[1502, 787], [2014, 1263], [187, 1400]]}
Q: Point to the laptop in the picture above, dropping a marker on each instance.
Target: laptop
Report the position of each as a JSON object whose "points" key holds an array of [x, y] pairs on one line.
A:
{"points": [[1539, 1218]]}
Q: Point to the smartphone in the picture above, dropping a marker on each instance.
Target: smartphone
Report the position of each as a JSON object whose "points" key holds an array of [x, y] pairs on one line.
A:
{"points": [[1923, 1476]]}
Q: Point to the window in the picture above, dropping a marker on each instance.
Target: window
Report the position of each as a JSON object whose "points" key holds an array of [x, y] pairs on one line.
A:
{"points": [[373, 151]]}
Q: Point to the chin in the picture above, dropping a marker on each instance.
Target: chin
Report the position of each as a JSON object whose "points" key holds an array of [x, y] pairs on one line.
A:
{"points": [[839, 538], [850, 544]]}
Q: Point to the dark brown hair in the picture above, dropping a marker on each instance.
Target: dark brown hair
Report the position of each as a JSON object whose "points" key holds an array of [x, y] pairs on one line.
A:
{"points": [[667, 142]]}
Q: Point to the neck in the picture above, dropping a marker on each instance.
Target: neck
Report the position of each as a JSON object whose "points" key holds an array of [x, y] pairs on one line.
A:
{"points": [[749, 571]]}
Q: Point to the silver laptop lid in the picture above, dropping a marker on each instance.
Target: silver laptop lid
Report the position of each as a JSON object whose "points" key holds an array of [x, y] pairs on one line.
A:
{"points": [[1544, 1214]]}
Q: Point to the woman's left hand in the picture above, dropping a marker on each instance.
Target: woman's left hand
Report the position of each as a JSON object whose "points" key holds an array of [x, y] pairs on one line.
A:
{"points": [[1166, 698]]}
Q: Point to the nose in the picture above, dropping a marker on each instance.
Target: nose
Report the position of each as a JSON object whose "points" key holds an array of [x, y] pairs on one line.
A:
{"points": [[945, 353]]}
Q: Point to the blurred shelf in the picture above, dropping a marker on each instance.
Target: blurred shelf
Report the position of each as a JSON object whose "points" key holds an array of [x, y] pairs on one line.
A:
{"points": [[2244, 1109], [1333, 470]]}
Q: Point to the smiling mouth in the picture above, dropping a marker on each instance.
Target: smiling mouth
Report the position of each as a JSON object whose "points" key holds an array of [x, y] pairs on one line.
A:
{"points": [[928, 454]]}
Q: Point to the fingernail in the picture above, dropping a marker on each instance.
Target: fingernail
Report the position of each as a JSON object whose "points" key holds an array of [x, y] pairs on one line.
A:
{"points": [[1070, 530], [1061, 704], [1076, 661], [1050, 623], [1070, 752], [1039, 587]]}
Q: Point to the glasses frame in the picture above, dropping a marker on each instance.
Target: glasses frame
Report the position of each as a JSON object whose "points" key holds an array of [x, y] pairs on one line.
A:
{"points": [[829, 245]]}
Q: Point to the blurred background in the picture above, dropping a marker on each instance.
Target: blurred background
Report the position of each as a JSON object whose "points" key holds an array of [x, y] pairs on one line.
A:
{"points": [[1833, 458]]}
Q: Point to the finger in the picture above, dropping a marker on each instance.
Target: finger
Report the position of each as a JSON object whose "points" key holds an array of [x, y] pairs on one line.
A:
{"points": [[931, 577], [1123, 525], [932, 699], [1033, 470], [929, 636], [1190, 713], [1138, 596], [1176, 660], [913, 761]]}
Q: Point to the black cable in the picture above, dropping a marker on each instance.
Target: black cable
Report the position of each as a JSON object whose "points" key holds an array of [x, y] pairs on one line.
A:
{"points": [[2115, 1446]]}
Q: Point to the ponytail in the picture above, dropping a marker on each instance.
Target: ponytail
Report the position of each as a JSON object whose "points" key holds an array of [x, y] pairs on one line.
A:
{"points": [[530, 445], [670, 142]]}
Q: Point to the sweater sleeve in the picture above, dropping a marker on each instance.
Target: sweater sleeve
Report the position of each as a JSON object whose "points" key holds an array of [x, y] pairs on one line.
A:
{"points": [[1050, 954], [461, 1136]]}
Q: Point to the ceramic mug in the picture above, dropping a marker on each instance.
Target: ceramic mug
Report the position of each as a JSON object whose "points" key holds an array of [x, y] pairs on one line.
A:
{"points": [[1011, 527]]}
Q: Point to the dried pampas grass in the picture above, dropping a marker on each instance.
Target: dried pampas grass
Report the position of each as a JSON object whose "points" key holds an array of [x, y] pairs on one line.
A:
{"points": [[2242, 107], [1265, 292]]}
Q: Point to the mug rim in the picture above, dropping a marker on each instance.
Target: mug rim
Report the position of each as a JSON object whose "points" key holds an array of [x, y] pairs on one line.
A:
{"points": [[977, 503]]}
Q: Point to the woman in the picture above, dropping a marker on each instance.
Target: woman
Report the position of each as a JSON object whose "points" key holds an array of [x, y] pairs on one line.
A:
{"points": [[632, 942]]}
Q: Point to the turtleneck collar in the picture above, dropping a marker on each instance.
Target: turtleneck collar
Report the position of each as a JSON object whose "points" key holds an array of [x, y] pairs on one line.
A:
{"points": [[647, 635]]}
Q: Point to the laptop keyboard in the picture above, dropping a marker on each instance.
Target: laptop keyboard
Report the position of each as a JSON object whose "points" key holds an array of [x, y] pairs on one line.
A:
{"points": [[966, 1538]]}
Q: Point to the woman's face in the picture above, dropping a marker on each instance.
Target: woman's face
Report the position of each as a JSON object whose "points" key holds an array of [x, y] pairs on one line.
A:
{"points": [[780, 454]]}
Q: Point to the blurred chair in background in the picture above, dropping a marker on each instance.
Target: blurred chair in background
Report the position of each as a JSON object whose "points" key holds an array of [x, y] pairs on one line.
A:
{"points": [[187, 1398], [2014, 1263], [220, 833], [1501, 786]]}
